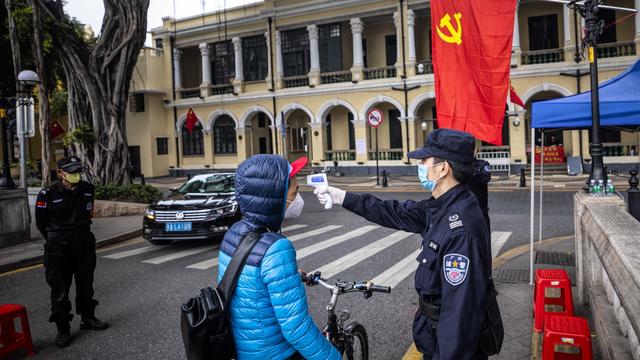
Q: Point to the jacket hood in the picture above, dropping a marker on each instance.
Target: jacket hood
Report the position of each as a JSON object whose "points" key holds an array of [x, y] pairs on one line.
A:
{"points": [[262, 182]]}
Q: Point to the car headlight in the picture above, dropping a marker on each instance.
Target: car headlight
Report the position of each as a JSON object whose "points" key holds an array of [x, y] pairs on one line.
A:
{"points": [[229, 209], [150, 214]]}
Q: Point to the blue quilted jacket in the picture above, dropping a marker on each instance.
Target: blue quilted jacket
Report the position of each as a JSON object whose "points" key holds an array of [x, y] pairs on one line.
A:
{"points": [[269, 314]]}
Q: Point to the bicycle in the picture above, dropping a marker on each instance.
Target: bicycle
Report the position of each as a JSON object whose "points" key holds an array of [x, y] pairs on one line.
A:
{"points": [[350, 340]]}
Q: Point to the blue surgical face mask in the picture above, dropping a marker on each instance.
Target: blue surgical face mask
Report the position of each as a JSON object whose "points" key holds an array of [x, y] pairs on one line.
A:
{"points": [[423, 175]]}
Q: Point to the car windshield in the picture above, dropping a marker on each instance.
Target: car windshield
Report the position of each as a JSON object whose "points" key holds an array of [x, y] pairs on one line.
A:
{"points": [[207, 184]]}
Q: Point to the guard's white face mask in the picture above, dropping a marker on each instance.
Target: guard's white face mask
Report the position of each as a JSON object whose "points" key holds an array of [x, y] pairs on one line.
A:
{"points": [[295, 207]]}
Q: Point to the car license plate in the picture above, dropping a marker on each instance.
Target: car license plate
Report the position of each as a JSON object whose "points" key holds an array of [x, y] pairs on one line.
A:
{"points": [[177, 226]]}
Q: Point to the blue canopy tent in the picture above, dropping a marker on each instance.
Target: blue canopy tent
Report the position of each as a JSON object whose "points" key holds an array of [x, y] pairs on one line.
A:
{"points": [[619, 107]]}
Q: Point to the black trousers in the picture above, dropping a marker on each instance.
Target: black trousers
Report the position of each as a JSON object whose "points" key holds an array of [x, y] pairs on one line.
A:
{"points": [[68, 255]]}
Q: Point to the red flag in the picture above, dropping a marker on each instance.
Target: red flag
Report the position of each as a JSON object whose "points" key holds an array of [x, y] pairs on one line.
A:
{"points": [[56, 129], [471, 57], [514, 97], [192, 119]]}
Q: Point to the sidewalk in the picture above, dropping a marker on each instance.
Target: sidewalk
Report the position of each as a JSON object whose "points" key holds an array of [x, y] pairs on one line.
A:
{"points": [[106, 230], [515, 296]]}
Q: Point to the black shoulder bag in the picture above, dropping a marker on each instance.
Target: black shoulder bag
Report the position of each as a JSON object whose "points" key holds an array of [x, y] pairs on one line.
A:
{"points": [[492, 333], [205, 323]]}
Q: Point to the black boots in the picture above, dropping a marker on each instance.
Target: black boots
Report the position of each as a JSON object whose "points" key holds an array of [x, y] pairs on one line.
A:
{"points": [[63, 339], [92, 323]]}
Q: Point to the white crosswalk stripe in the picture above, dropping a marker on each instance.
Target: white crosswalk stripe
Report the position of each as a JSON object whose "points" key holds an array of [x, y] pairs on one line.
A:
{"points": [[205, 265], [498, 239], [177, 255], [361, 254], [312, 249], [124, 254], [293, 227], [313, 232], [398, 272]]}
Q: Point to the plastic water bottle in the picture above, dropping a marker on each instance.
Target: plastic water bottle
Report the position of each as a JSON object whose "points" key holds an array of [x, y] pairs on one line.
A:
{"points": [[592, 188], [601, 188], [610, 189]]}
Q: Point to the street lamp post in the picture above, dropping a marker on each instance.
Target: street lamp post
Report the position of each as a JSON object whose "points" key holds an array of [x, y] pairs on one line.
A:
{"points": [[27, 79]]}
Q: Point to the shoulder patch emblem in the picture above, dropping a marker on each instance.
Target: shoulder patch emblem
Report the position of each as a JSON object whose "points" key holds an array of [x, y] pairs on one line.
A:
{"points": [[455, 267], [454, 221], [89, 206], [41, 204]]}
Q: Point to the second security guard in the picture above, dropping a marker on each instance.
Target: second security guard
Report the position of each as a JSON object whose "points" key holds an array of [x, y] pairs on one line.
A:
{"points": [[453, 279]]}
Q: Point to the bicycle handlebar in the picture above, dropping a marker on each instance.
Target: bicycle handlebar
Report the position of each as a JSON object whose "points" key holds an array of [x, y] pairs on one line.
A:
{"points": [[367, 288]]}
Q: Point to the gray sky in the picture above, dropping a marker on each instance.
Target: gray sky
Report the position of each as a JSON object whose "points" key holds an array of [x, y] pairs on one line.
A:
{"points": [[91, 11]]}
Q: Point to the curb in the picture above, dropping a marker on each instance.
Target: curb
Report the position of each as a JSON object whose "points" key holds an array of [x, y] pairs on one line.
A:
{"points": [[36, 260], [413, 354]]}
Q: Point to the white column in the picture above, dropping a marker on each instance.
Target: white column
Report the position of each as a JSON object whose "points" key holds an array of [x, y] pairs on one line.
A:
{"points": [[206, 64], [637, 2], [313, 48], [356, 30], [279, 68], [566, 25], [411, 22], [268, 79], [237, 47], [516, 29], [396, 22], [177, 54]]}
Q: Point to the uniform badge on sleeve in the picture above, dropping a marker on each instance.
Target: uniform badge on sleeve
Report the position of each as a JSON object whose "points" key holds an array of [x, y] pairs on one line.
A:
{"points": [[454, 221], [455, 268]]}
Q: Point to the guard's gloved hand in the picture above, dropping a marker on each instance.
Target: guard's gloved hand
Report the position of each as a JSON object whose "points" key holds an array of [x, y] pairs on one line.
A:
{"points": [[329, 194]]}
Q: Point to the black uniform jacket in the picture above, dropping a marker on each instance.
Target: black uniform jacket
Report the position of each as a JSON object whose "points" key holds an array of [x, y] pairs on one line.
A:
{"points": [[60, 209]]}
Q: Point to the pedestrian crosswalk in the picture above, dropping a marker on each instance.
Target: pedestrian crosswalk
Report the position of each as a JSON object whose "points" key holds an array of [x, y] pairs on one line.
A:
{"points": [[371, 239]]}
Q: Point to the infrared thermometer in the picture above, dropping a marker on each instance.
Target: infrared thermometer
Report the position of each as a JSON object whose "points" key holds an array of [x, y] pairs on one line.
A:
{"points": [[317, 180]]}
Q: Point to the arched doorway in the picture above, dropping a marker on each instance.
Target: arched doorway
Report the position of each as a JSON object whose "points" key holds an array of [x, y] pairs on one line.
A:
{"points": [[551, 136], [297, 133], [340, 134], [425, 121], [259, 134], [390, 137], [224, 137]]}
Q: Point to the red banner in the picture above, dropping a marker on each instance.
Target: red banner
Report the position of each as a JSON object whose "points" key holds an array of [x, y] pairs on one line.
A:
{"points": [[552, 155], [56, 129], [471, 47], [191, 120]]}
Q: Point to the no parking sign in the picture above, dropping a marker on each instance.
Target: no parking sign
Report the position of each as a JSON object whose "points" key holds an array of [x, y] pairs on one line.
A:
{"points": [[375, 117]]}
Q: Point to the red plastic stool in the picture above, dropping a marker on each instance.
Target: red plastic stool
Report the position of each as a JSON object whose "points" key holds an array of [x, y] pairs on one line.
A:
{"points": [[566, 337], [10, 339], [552, 295]]}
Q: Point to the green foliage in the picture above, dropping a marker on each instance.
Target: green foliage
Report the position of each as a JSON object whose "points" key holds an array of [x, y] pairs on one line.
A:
{"points": [[58, 102], [133, 193], [82, 135]]}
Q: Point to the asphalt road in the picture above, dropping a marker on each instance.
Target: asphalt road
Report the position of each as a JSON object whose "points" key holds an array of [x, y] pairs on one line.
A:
{"points": [[140, 294]]}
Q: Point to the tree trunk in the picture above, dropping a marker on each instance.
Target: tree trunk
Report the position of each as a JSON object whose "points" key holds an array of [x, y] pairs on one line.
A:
{"points": [[13, 37], [98, 79], [44, 115]]}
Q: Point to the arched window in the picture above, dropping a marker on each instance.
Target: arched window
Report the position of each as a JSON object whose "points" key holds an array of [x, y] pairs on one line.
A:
{"points": [[192, 143], [224, 135]]}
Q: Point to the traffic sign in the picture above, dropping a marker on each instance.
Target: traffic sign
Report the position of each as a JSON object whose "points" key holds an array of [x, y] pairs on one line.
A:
{"points": [[375, 117], [25, 122]]}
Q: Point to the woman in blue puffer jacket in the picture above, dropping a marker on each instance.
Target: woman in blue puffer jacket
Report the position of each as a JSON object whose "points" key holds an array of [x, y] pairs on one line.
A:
{"points": [[269, 314]]}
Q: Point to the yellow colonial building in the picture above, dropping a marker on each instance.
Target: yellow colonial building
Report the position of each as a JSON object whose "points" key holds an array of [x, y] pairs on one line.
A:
{"points": [[298, 77]]}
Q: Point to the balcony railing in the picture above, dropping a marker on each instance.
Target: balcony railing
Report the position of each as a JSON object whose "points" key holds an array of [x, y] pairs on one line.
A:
{"points": [[151, 51], [221, 89], [542, 56], [387, 154], [340, 155], [383, 72], [627, 48], [296, 81], [190, 93], [619, 149], [335, 77], [424, 67]]}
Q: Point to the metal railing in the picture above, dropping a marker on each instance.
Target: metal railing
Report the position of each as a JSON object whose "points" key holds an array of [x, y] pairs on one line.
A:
{"points": [[620, 149], [221, 89], [542, 56], [497, 156], [424, 67], [382, 72], [190, 93], [296, 81], [387, 154], [610, 50], [335, 77], [340, 155]]}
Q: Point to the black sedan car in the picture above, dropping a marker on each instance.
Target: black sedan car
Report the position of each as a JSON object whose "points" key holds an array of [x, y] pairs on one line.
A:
{"points": [[202, 208]]}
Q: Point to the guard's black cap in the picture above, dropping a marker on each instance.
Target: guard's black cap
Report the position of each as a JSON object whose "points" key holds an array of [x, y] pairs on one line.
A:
{"points": [[70, 164], [447, 144]]}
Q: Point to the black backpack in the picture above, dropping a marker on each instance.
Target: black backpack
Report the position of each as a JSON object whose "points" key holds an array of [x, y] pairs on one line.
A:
{"points": [[205, 324]]}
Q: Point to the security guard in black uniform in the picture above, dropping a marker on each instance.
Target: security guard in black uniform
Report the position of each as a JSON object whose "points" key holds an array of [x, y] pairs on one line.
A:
{"points": [[453, 276], [63, 216], [478, 185]]}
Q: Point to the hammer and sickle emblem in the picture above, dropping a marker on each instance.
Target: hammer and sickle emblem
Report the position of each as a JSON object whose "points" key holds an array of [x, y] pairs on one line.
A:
{"points": [[455, 36]]}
